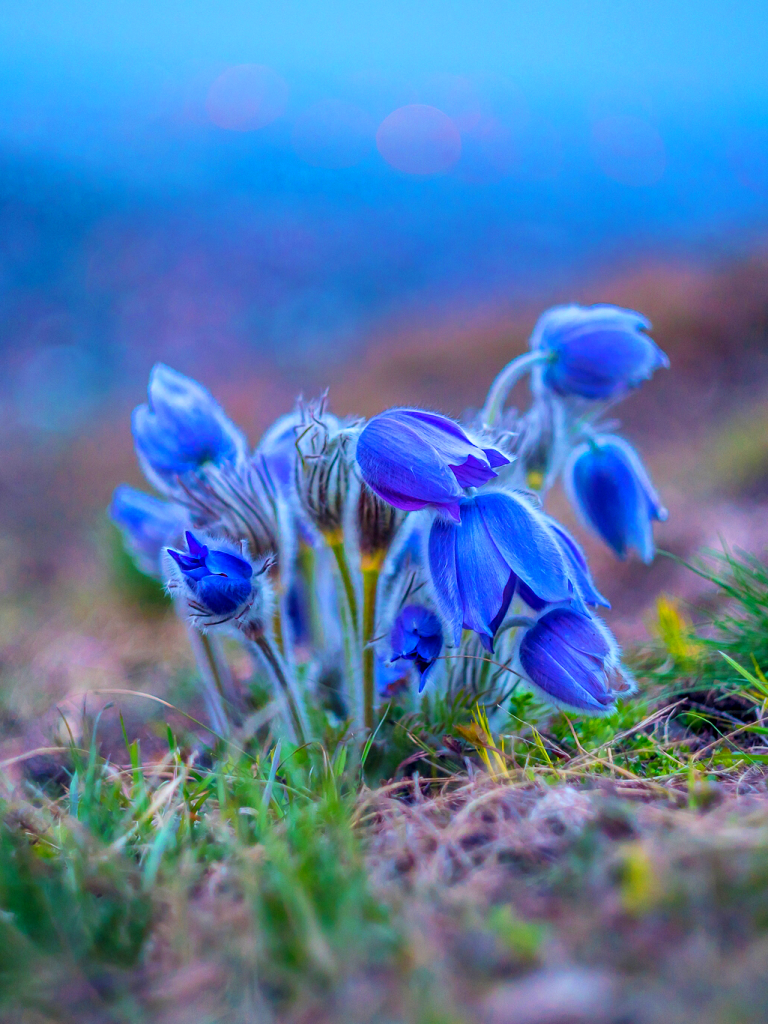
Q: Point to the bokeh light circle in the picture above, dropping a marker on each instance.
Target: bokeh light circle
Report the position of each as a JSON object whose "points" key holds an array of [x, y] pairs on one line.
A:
{"points": [[246, 97], [629, 150], [333, 134], [419, 139]]}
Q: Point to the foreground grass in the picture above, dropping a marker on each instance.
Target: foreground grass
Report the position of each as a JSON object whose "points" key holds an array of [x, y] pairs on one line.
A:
{"points": [[530, 867]]}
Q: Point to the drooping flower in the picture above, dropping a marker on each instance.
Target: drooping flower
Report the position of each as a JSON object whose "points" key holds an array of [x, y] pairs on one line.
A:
{"points": [[573, 662], [415, 459], [608, 486], [417, 636], [595, 352], [218, 582], [181, 428], [148, 525], [501, 542], [578, 568]]}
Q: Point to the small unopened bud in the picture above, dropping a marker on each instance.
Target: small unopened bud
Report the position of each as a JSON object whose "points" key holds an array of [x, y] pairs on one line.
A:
{"points": [[324, 470], [377, 524]]}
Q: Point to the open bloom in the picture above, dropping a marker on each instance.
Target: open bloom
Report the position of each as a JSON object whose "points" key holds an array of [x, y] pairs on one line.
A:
{"points": [[148, 525], [595, 352], [417, 636], [573, 662], [414, 459], [219, 582], [502, 542], [181, 428], [608, 486]]}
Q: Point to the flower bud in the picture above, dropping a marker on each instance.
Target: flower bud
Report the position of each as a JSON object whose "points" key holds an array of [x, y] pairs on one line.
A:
{"points": [[181, 429], [573, 662], [609, 488], [324, 471], [377, 524], [147, 524], [595, 352]]}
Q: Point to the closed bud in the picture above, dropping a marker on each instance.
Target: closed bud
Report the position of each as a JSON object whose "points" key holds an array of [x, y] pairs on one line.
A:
{"points": [[324, 469], [377, 524], [181, 429], [609, 488]]}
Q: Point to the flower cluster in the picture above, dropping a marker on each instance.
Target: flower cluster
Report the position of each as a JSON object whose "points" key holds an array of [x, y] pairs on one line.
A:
{"points": [[401, 549]]}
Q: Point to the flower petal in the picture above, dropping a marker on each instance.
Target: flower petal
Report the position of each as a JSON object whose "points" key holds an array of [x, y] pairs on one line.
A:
{"points": [[527, 544], [483, 574], [442, 569]]}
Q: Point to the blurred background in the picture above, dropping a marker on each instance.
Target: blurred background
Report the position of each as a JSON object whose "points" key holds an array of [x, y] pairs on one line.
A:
{"points": [[380, 198]]}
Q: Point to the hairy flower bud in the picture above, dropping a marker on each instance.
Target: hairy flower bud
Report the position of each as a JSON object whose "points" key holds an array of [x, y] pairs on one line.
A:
{"points": [[377, 524], [181, 429], [609, 488], [595, 352], [573, 661], [324, 470]]}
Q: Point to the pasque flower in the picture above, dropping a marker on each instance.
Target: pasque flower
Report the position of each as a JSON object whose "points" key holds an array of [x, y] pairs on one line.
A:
{"points": [[573, 662], [595, 352], [414, 459], [608, 486], [220, 582], [148, 525], [181, 428], [417, 636], [502, 542]]}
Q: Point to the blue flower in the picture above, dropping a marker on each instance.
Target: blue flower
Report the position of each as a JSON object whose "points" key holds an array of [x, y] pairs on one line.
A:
{"points": [[573, 661], [501, 543], [417, 636], [610, 489], [415, 459], [391, 679], [219, 581], [181, 428], [148, 525], [595, 352]]}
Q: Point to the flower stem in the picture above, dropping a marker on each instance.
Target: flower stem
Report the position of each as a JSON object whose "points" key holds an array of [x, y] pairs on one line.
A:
{"points": [[273, 661], [371, 572], [206, 664], [337, 547], [505, 381]]}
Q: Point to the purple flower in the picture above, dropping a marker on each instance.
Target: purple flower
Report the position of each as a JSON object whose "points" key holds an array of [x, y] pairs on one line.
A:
{"points": [[415, 459], [219, 581], [608, 486], [595, 352], [181, 428], [147, 524], [417, 636], [573, 662], [502, 542]]}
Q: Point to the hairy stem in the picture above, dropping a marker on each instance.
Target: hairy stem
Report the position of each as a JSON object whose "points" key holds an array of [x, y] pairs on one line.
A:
{"points": [[209, 671], [274, 663], [505, 381], [371, 572], [337, 546]]}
